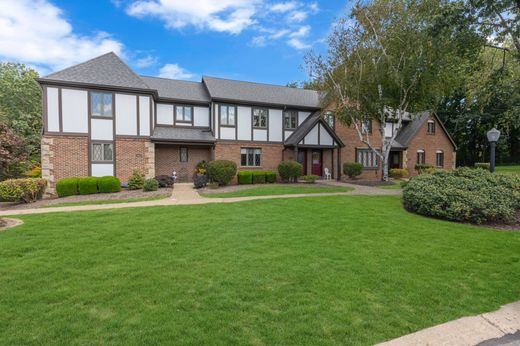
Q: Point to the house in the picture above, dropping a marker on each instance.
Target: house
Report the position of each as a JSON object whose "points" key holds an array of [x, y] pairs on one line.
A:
{"points": [[100, 118]]}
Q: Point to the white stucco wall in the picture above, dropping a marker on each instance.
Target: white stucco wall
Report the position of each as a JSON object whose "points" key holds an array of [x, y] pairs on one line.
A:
{"points": [[53, 116], [325, 137], [244, 123], [102, 129], [201, 116], [102, 169], [227, 133], [74, 110], [275, 125], [126, 114], [260, 135], [164, 114], [312, 136], [144, 115], [302, 116]]}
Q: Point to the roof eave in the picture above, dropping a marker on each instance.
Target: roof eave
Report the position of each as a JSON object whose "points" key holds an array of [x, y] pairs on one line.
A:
{"points": [[57, 82]]}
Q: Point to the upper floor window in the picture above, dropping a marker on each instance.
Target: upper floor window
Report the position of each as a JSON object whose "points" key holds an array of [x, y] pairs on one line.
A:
{"points": [[183, 114], [439, 159], [389, 129], [227, 115], [329, 119], [431, 127], [260, 117], [367, 158], [250, 157], [366, 125], [290, 120], [101, 104], [421, 157], [102, 152]]}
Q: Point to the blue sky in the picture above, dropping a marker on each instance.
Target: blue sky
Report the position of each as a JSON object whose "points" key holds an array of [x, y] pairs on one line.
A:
{"points": [[256, 40]]}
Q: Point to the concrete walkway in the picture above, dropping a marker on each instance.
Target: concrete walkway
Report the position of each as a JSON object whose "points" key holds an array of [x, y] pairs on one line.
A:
{"points": [[494, 328], [185, 194]]}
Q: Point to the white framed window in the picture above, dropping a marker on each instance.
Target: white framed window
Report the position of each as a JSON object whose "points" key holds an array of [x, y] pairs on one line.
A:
{"points": [[183, 155], [183, 114], [367, 158], [251, 157], [260, 118], [421, 157], [366, 125], [227, 115], [439, 159], [101, 104], [102, 152], [431, 127], [290, 119], [329, 119]]}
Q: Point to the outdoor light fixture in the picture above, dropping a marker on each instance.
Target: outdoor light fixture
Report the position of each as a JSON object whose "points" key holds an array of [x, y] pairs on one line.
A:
{"points": [[492, 135]]}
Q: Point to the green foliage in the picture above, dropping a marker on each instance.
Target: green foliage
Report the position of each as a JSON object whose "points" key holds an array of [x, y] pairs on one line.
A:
{"points": [[482, 165], [398, 173], [22, 190], [424, 167], [245, 177], [12, 151], [150, 185], [464, 194], [270, 177], [258, 177], [289, 170], [136, 180], [222, 171], [108, 184], [310, 179], [87, 185], [35, 172], [352, 169], [67, 187], [202, 167]]}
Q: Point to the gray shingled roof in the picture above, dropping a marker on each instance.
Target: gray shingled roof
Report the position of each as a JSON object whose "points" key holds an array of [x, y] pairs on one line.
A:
{"points": [[409, 131], [107, 69], [226, 89], [180, 134], [178, 89], [307, 125]]}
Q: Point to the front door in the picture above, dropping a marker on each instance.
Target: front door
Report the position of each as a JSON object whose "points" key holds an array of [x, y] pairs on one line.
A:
{"points": [[302, 159], [395, 159], [316, 162]]}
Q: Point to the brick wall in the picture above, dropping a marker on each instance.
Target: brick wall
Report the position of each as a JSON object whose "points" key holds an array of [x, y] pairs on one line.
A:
{"points": [[133, 154], [167, 159], [271, 153]]}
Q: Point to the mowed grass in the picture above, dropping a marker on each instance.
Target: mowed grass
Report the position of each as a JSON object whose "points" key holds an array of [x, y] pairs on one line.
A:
{"points": [[268, 190], [335, 270], [513, 169], [105, 201], [395, 186]]}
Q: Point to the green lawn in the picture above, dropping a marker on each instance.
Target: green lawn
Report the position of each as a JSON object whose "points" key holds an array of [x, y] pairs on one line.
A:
{"points": [[395, 186], [267, 190], [324, 270], [508, 169], [104, 201]]}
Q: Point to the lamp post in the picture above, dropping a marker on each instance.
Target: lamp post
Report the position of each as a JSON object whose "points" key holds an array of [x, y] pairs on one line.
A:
{"points": [[492, 136]]}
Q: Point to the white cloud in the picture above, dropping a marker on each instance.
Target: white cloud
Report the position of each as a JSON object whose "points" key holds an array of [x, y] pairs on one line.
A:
{"points": [[146, 61], [231, 16], [174, 71], [284, 6], [297, 16], [36, 32], [296, 38], [314, 7], [259, 41]]}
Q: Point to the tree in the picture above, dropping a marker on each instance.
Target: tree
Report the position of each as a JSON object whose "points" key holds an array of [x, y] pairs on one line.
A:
{"points": [[20, 104], [386, 61], [12, 150]]}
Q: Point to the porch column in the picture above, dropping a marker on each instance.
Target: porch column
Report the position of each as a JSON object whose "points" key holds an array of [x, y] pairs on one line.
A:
{"points": [[339, 163]]}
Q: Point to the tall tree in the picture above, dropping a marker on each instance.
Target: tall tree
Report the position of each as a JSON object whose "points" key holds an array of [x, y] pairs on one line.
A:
{"points": [[12, 150]]}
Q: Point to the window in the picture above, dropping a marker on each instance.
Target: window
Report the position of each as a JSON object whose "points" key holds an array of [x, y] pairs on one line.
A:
{"points": [[366, 126], [227, 115], [183, 114], [250, 157], [421, 157], [439, 159], [290, 119], [183, 155], [329, 119], [102, 152], [431, 127], [367, 158], [389, 129], [260, 117], [101, 104]]}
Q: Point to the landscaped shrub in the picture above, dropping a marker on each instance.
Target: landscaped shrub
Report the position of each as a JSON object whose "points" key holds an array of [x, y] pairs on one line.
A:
{"points": [[87, 185], [270, 177], [424, 168], [67, 187], [398, 173], [22, 190], [464, 194], [202, 167], [289, 170], [108, 184], [352, 169], [258, 177], [482, 165], [164, 180], [136, 180], [200, 180], [310, 179], [150, 185], [222, 171], [245, 177], [35, 172]]}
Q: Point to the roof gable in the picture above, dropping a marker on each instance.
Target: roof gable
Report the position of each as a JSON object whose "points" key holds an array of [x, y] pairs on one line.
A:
{"points": [[308, 124], [408, 132]]}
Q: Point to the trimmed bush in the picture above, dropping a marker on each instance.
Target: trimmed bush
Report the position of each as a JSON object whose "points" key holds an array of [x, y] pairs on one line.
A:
{"points": [[22, 190], [398, 173], [150, 185], [136, 180], [108, 184], [67, 187], [87, 185], [35, 172], [258, 177], [245, 177], [352, 169], [221, 171], [200, 180], [289, 170], [270, 177], [464, 194], [482, 165], [164, 180], [310, 179], [424, 168]]}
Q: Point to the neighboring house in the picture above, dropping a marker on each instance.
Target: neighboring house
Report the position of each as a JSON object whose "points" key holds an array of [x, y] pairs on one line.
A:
{"points": [[100, 118]]}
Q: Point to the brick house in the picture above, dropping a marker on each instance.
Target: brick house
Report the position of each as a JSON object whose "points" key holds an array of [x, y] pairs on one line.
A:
{"points": [[100, 118]]}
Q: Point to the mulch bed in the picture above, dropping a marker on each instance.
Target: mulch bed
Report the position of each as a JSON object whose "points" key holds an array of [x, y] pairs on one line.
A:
{"points": [[124, 194], [6, 223]]}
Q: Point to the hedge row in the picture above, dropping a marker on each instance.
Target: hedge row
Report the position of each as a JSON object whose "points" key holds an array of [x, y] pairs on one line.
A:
{"points": [[22, 190], [256, 177], [87, 186]]}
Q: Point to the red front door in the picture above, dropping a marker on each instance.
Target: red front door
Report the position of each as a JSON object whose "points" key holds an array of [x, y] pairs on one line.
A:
{"points": [[316, 162]]}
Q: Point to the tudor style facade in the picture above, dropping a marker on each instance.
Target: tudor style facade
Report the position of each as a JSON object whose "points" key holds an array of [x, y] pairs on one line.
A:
{"points": [[100, 118]]}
